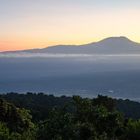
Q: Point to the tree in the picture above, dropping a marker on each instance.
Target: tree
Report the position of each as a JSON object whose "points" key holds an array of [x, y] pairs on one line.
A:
{"points": [[58, 126], [107, 102], [133, 130], [16, 123]]}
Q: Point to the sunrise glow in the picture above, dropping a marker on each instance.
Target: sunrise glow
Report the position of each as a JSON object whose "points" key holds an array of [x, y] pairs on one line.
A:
{"points": [[41, 23]]}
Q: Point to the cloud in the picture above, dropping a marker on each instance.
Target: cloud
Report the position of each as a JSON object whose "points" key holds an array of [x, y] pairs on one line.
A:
{"points": [[103, 58], [61, 55], [47, 55]]}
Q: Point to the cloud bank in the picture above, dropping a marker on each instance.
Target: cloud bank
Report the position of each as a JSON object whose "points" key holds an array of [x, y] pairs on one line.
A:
{"points": [[59, 55]]}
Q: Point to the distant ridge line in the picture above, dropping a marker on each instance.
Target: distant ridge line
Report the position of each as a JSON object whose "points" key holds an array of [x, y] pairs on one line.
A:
{"points": [[110, 45]]}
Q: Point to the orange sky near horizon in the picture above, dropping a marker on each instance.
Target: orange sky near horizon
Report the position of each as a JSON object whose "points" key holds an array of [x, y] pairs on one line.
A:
{"points": [[38, 24]]}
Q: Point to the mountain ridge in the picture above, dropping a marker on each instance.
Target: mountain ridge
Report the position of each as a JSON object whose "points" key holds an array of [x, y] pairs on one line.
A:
{"points": [[110, 45]]}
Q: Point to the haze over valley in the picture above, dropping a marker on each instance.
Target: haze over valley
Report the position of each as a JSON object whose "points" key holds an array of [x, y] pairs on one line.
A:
{"points": [[109, 67]]}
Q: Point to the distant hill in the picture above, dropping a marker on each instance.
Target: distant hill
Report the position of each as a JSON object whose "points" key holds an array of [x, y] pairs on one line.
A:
{"points": [[112, 45]]}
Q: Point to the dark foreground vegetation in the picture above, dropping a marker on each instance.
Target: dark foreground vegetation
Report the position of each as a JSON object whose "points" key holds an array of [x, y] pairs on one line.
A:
{"points": [[45, 117]]}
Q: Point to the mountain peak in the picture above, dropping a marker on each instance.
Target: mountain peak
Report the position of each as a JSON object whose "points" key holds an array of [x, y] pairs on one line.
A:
{"points": [[120, 39], [111, 45]]}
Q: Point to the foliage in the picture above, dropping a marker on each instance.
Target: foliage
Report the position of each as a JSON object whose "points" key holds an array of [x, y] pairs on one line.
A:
{"points": [[15, 122], [133, 130], [64, 118]]}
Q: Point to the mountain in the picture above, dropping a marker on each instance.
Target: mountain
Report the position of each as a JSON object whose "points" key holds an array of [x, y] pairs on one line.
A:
{"points": [[113, 75], [112, 45]]}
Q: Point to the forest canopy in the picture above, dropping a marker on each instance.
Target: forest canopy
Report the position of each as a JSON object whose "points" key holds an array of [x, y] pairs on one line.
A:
{"points": [[46, 117]]}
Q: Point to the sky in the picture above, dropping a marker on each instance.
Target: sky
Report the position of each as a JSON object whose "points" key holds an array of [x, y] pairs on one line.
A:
{"points": [[26, 24]]}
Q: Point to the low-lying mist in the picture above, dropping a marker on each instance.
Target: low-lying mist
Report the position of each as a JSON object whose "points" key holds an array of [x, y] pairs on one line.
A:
{"points": [[84, 74]]}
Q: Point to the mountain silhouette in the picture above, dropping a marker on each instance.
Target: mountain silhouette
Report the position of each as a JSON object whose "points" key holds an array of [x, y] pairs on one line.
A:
{"points": [[111, 45]]}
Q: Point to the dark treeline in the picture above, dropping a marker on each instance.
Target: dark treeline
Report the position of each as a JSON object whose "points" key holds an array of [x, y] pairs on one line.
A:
{"points": [[40, 104], [46, 117]]}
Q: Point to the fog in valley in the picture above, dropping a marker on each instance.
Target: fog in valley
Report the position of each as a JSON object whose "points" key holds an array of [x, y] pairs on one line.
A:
{"points": [[63, 74]]}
